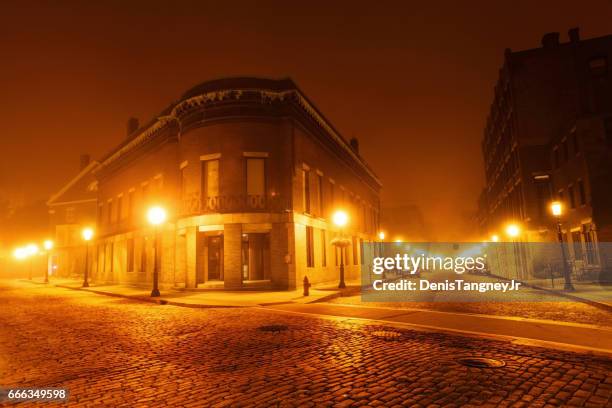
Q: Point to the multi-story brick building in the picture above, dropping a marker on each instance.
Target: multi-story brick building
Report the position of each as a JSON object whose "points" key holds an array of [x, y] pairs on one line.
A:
{"points": [[250, 173], [548, 137]]}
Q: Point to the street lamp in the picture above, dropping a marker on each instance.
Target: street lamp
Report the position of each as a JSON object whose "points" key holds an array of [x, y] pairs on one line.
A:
{"points": [[340, 219], [31, 250], [381, 236], [48, 245], [156, 216], [87, 235], [495, 238], [556, 208], [513, 230]]}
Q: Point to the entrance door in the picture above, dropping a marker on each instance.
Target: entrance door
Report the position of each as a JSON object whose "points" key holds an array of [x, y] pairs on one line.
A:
{"points": [[255, 256], [215, 256]]}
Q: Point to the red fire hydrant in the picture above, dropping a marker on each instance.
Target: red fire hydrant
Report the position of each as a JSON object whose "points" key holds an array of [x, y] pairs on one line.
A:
{"points": [[306, 286]]}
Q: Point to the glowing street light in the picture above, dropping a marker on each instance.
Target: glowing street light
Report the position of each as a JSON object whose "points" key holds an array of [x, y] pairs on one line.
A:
{"points": [[556, 208], [495, 238], [513, 230], [87, 234], [20, 253], [156, 216], [381, 235], [340, 219], [48, 245]]}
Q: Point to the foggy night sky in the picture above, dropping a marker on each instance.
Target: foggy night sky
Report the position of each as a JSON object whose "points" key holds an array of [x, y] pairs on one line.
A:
{"points": [[413, 81]]}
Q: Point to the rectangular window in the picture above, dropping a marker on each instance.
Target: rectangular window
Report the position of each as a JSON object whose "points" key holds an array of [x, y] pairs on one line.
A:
{"points": [[130, 255], [120, 208], [130, 204], [598, 66], [143, 254], [571, 196], [109, 213], [256, 177], [581, 192], [101, 214], [309, 247], [565, 150], [306, 190], [577, 245], [210, 184], [355, 252], [323, 249], [319, 193], [69, 215]]}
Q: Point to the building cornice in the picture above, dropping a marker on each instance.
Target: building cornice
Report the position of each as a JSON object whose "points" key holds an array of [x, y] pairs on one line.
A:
{"points": [[208, 99]]}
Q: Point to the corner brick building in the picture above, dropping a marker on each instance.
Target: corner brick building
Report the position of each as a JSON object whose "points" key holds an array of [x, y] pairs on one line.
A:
{"points": [[549, 137], [250, 173]]}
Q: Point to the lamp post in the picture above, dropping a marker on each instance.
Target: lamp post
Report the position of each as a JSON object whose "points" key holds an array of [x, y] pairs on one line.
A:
{"points": [[156, 216], [557, 210], [513, 231], [48, 245], [340, 219], [87, 235]]}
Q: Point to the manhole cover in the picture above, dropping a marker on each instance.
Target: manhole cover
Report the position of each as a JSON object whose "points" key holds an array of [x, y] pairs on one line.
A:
{"points": [[273, 328], [480, 362], [387, 335]]}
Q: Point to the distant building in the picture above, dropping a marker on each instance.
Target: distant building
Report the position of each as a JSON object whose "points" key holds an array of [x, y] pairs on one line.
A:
{"points": [[549, 136], [71, 209], [250, 172]]}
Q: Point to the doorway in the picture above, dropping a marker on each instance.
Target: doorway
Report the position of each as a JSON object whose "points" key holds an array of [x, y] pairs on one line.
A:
{"points": [[255, 256], [209, 257]]}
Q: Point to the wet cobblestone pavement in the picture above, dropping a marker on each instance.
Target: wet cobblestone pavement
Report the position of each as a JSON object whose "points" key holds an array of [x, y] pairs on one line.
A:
{"points": [[116, 352]]}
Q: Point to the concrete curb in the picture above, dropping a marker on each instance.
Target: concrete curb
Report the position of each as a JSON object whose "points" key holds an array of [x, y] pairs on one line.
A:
{"points": [[348, 292], [159, 301]]}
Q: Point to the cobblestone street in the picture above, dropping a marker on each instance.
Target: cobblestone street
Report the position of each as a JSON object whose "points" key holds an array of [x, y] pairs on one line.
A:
{"points": [[117, 352]]}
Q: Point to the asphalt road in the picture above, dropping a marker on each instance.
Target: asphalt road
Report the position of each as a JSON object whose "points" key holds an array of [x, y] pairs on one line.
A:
{"points": [[118, 352]]}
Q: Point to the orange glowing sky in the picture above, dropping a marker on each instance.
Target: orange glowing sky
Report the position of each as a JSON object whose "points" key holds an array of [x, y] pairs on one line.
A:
{"points": [[412, 80]]}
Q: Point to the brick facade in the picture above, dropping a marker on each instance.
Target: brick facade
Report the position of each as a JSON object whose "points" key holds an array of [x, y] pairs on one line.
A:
{"points": [[244, 167], [546, 139]]}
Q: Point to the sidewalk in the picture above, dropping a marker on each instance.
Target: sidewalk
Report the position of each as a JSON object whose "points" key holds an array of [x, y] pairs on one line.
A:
{"points": [[213, 298]]}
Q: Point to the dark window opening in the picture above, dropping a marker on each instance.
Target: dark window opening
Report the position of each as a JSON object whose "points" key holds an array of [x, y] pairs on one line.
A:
{"points": [[309, 247], [581, 192], [572, 199], [598, 66]]}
